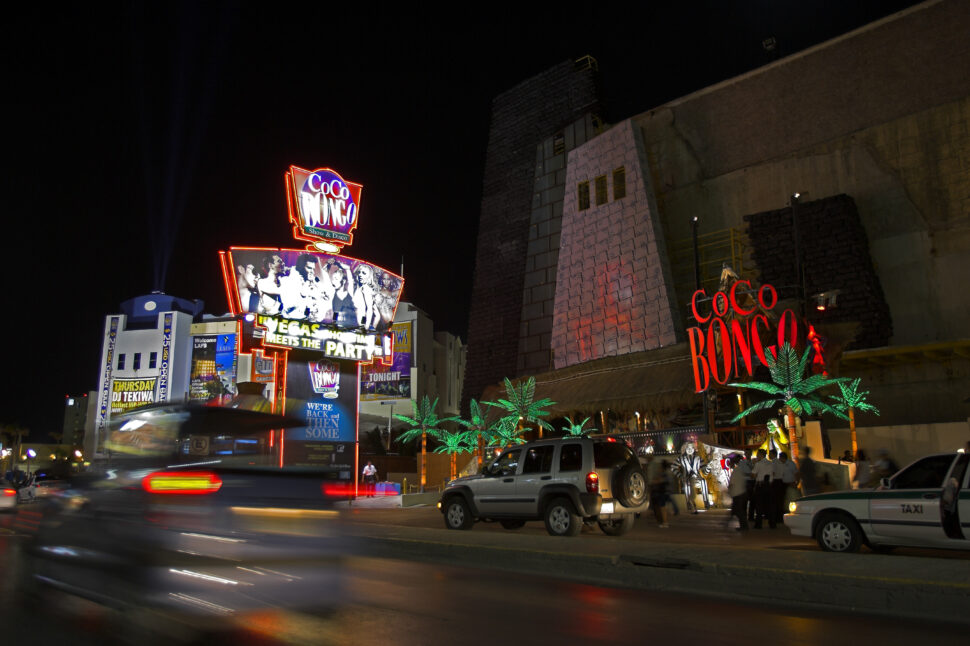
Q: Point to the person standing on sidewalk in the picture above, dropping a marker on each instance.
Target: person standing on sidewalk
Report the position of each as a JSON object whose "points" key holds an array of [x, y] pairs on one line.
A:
{"points": [[738, 490], [789, 478], [762, 490], [370, 479], [752, 504], [658, 490]]}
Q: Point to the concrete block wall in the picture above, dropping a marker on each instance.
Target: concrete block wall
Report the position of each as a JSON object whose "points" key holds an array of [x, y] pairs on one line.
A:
{"points": [[835, 256], [542, 254], [522, 117], [614, 292], [881, 114]]}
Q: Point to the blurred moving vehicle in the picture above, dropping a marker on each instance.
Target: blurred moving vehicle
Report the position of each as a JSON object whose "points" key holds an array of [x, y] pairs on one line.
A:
{"points": [[8, 495], [565, 482], [178, 530], [27, 490], [926, 504], [46, 485]]}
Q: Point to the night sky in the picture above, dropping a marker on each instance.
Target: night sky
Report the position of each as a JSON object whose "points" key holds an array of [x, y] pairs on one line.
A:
{"points": [[146, 138]]}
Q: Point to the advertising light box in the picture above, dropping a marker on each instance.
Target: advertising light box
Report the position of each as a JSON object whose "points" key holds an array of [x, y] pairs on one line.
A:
{"points": [[379, 381], [315, 287], [129, 394], [213, 373]]}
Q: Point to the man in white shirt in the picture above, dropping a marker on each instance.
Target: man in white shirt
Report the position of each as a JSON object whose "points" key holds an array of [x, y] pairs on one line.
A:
{"points": [[370, 479], [762, 490]]}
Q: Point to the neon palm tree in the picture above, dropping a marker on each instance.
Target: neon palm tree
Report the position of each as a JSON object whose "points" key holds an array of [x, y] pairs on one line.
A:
{"points": [[850, 401], [521, 406], [506, 431], [453, 443], [573, 428], [478, 428], [795, 394], [425, 421]]}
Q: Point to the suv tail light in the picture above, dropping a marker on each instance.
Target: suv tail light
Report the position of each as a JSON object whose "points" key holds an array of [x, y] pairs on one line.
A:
{"points": [[592, 482], [181, 482], [9, 492]]}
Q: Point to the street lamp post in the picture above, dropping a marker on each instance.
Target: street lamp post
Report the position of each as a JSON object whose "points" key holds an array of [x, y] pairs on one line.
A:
{"points": [[799, 270], [30, 454], [390, 416], [708, 422]]}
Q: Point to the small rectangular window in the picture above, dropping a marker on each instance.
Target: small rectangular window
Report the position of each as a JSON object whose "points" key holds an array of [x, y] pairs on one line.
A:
{"points": [[583, 196], [558, 144], [538, 459], [136, 364], [619, 183], [121, 361], [152, 359], [601, 196], [571, 457]]}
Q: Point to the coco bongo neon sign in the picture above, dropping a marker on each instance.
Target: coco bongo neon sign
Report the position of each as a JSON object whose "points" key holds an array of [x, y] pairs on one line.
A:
{"points": [[728, 345]]}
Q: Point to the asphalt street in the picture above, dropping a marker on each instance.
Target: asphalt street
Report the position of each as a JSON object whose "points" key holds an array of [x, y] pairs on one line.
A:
{"points": [[698, 554]]}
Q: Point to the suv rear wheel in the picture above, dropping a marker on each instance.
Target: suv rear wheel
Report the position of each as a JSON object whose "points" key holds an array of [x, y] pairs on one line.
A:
{"points": [[617, 526], [631, 486], [457, 514], [561, 519]]}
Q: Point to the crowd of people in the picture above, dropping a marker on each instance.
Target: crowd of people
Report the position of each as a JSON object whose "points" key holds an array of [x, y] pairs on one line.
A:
{"points": [[760, 488], [318, 289]]}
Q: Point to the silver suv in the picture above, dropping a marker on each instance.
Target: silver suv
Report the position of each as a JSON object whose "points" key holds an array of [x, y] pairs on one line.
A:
{"points": [[564, 482]]}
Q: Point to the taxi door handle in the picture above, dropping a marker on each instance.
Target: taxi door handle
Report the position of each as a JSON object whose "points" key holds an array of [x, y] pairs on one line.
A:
{"points": [[508, 480], [930, 496]]}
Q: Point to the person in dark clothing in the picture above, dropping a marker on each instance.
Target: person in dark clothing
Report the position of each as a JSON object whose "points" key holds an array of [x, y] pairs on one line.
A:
{"points": [[808, 473]]}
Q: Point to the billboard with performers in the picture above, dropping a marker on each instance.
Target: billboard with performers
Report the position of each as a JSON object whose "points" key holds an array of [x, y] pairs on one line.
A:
{"points": [[213, 372], [129, 394], [314, 287], [379, 381], [323, 206]]}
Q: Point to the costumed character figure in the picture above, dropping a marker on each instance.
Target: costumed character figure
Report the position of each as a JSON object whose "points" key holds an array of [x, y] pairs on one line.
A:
{"points": [[777, 438], [691, 471]]}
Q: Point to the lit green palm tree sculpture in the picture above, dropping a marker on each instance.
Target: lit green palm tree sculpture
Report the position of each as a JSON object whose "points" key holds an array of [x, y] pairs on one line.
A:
{"points": [[521, 406], [478, 428], [850, 401], [574, 429], [425, 421], [453, 443], [506, 432], [796, 394]]}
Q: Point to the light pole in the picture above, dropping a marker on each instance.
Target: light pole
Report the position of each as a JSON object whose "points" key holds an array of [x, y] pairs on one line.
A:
{"points": [[30, 454], [799, 270], [390, 416]]}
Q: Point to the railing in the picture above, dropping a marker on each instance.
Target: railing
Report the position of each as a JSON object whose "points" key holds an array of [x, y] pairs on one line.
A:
{"points": [[714, 250]]}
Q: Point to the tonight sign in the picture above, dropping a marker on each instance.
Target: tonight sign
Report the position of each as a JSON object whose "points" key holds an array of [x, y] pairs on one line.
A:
{"points": [[333, 343]]}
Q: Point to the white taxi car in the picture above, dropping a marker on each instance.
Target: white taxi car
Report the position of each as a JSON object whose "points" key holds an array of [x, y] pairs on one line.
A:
{"points": [[926, 504]]}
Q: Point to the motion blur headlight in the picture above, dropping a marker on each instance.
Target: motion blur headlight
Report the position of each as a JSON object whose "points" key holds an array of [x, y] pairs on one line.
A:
{"points": [[793, 507]]}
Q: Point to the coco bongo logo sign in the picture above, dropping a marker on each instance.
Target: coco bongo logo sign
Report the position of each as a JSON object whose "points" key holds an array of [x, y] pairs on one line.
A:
{"points": [[737, 332], [322, 205]]}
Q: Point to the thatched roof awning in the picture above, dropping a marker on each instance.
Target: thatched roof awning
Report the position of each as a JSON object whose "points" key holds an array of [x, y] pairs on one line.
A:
{"points": [[657, 380]]}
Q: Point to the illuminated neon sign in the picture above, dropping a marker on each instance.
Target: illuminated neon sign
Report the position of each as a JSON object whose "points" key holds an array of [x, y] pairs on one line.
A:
{"points": [[727, 346], [332, 342], [323, 207]]}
